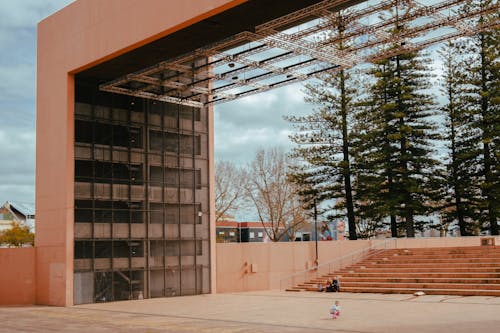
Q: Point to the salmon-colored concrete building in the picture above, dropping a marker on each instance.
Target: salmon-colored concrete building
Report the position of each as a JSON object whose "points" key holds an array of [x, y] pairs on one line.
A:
{"points": [[123, 183], [124, 166]]}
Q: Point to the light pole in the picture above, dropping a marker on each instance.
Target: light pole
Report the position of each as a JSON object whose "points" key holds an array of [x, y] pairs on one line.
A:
{"points": [[316, 230]]}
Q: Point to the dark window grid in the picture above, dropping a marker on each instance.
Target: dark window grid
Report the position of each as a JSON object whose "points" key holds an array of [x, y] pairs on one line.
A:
{"points": [[109, 134], [198, 110], [103, 287], [110, 101], [109, 172], [183, 213], [114, 105], [101, 249], [170, 214], [118, 285], [176, 143], [127, 283], [175, 177], [109, 216], [116, 204], [175, 130], [174, 111], [106, 211], [172, 248]]}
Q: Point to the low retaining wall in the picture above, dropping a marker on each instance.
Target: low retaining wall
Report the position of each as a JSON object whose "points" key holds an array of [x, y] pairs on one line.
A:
{"points": [[17, 276], [261, 266], [240, 266]]}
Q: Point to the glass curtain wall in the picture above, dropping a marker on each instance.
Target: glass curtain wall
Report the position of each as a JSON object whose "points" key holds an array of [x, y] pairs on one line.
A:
{"points": [[141, 198]]}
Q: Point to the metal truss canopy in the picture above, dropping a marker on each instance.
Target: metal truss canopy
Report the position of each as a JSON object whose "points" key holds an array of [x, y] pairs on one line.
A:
{"points": [[303, 45]]}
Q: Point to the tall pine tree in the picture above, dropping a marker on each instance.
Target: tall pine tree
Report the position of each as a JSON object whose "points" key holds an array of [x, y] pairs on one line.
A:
{"points": [[398, 146], [323, 138], [461, 185], [483, 104], [374, 151]]}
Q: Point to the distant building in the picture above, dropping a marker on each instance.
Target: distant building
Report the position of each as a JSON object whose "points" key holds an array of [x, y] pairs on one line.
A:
{"points": [[241, 232], [22, 213], [227, 232], [253, 232]]}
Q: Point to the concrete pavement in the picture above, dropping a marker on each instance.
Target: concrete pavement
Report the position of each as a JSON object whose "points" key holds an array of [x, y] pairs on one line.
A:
{"points": [[269, 311]]}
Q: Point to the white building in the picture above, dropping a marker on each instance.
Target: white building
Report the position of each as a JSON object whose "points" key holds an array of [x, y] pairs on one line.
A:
{"points": [[22, 213]]}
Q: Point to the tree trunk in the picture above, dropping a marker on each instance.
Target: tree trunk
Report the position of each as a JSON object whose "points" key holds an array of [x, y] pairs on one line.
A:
{"points": [[454, 162], [410, 228], [346, 163], [394, 226], [394, 223]]}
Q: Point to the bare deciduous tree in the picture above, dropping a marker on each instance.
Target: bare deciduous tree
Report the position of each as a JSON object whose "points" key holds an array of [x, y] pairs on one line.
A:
{"points": [[275, 198], [229, 188]]}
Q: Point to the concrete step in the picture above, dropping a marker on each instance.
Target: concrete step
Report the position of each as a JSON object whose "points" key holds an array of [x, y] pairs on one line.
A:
{"points": [[444, 269], [432, 257], [465, 249], [460, 292], [400, 253], [445, 249], [421, 274], [420, 286], [437, 253], [447, 271], [348, 279], [432, 260], [425, 265], [387, 256]]}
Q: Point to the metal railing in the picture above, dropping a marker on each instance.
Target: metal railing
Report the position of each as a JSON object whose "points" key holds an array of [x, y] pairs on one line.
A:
{"points": [[337, 264]]}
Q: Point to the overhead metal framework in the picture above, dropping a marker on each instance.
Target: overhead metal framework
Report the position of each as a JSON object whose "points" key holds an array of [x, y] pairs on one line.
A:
{"points": [[303, 45]]}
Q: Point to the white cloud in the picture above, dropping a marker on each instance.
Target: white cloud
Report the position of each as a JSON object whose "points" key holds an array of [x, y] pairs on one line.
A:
{"points": [[18, 20], [17, 81], [255, 122], [25, 13], [17, 166]]}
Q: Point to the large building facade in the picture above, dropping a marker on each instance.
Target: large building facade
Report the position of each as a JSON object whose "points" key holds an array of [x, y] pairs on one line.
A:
{"points": [[124, 184], [141, 215]]}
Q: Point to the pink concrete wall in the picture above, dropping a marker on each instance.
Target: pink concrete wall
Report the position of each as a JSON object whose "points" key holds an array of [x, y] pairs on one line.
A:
{"points": [[17, 277], [83, 34], [272, 261]]}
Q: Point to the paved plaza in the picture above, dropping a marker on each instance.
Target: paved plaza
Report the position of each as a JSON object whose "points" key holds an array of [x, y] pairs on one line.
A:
{"points": [[270, 311]]}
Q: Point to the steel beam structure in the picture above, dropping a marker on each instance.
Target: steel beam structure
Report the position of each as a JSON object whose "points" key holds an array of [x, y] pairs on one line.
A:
{"points": [[300, 46]]}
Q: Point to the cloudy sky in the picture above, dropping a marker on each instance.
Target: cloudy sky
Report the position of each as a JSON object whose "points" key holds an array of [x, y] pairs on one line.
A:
{"points": [[18, 20], [241, 126]]}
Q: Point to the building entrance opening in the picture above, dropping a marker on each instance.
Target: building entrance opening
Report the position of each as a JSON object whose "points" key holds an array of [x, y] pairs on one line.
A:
{"points": [[143, 217]]}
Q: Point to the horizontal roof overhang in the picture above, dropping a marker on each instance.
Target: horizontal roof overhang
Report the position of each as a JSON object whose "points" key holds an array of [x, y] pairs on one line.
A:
{"points": [[244, 17], [260, 45]]}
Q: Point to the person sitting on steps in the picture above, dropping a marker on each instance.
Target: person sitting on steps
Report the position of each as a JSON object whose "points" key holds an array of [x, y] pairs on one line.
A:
{"points": [[329, 286], [336, 284]]}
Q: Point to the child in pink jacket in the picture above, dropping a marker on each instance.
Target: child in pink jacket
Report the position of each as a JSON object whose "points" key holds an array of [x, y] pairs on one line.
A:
{"points": [[335, 310]]}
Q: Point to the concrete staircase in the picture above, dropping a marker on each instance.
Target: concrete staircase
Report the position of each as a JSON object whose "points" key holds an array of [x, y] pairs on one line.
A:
{"points": [[465, 271]]}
